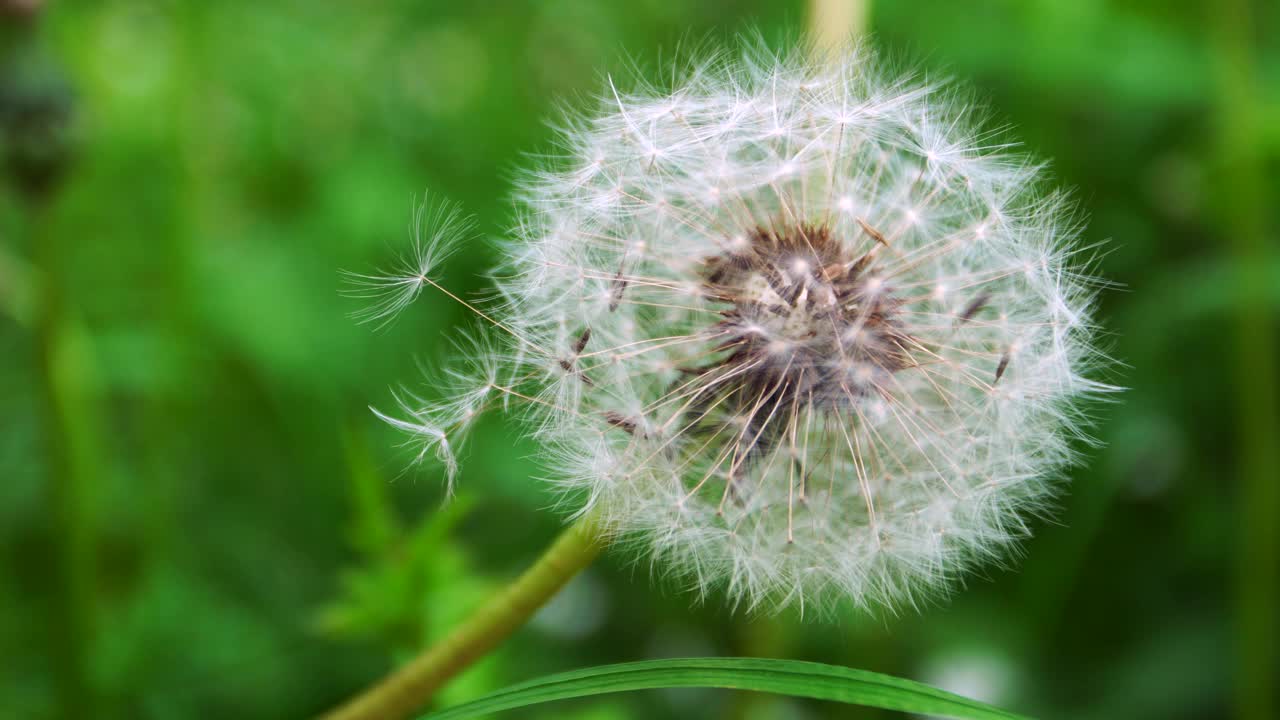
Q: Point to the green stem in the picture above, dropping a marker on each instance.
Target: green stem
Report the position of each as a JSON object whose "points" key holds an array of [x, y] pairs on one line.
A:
{"points": [[408, 689], [834, 24], [1243, 205], [71, 454]]}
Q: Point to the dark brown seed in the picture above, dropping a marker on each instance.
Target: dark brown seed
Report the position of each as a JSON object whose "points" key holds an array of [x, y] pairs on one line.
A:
{"points": [[619, 287], [1004, 364], [569, 368], [569, 364], [617, 420], [974, 307]]}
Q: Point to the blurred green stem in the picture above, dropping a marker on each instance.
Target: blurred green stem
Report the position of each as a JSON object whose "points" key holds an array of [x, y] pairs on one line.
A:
{"points": [[834, 23], [1243, 208], [69, 449], [407, 690]]}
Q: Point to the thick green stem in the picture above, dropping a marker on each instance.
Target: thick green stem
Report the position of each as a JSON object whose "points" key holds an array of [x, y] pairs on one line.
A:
{"points": [[1243, 206], [408, 689]]}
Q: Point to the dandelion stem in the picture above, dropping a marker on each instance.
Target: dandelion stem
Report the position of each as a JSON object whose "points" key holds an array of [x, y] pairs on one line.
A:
{"points": [[1243, 208], [833, 23], [407, 690]]}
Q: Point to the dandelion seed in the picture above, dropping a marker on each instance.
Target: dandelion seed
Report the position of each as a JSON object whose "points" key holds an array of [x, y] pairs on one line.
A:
{"points": [[436, 231], [847, 370], [425, 434]]}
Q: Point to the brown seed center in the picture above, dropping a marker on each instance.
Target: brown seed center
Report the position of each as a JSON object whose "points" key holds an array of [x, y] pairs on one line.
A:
{"points": [[807, 326]]}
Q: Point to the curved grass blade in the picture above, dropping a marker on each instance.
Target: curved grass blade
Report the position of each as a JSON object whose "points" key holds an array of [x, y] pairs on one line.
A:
{"points": [[784, 677]]}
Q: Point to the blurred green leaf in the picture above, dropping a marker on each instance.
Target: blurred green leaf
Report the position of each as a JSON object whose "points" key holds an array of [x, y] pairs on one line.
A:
{"points": [[405, 574], [787, 677]]}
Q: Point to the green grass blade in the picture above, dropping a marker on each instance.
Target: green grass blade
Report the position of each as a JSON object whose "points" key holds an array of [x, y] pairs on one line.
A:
{"points": [[784, 677]]}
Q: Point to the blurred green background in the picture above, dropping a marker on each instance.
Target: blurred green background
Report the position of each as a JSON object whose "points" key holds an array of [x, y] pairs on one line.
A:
{"points": [[200, 518]]}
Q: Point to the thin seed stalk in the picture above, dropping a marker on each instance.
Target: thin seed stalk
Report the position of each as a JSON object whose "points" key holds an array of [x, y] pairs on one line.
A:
{"points": [[408, 689]]}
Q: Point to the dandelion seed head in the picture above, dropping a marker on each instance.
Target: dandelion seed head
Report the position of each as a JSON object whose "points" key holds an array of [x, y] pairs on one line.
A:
{"points": [[801, 332]]}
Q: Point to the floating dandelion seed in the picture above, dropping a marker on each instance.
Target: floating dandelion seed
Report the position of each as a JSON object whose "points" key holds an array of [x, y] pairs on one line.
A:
{"points": [[435, 230], [797, 329], [436, 428]]}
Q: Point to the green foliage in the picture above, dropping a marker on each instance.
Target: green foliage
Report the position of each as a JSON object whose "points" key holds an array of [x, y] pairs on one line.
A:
{"points": [[200, 518]]}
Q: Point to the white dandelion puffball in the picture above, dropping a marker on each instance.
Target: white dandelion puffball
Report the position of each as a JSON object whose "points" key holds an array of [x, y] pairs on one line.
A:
{"points": [[796, 327]]}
